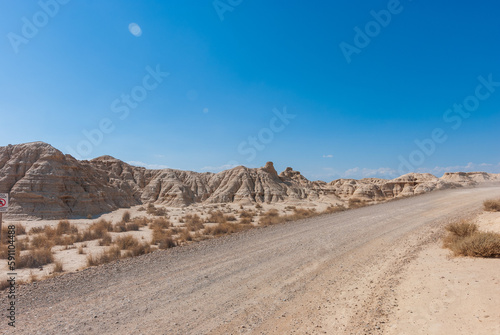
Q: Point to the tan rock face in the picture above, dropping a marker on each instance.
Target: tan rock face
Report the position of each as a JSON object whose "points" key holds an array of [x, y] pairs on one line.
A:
{"points": [[45, 183]]}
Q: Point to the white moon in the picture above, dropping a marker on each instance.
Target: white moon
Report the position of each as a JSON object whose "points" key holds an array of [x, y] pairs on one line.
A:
{"points": [[135, 29]]}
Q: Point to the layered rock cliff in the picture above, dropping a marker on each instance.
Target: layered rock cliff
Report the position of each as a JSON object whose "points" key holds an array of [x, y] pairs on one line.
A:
{"points": [[45, 183]]}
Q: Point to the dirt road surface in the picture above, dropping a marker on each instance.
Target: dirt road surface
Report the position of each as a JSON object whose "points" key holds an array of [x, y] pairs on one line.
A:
{"points": [[333, 274]]}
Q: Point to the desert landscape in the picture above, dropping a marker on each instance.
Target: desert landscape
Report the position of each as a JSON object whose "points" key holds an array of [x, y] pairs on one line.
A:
{"points": [[254, 167], [73, 217]]}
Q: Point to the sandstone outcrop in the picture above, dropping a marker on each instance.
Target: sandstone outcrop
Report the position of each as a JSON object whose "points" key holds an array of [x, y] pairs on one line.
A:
{"points": [[45, 183]]}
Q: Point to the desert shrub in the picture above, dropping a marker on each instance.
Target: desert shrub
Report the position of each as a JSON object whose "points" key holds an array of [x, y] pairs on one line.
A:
{"points": [[126, 216], [271, 217], [107, 256], [224, 229], [334, 209], [140, 249], [34, 258], [100, 227], [140, 221], [356, 203], [231, 218], [159, 235], [185, 236], [160, 223], [301, 213], [120, 227], [126, 242], [157, 211], [58, 267], [20, 229], [462, 228], [141, 209], [193, 222], [64, 240], [80, 250], [492, 205], [106, 239], [258, 206], [35, 230], [216, 217], [479, 244], [132, 226], [41, 241], [65, 227]]}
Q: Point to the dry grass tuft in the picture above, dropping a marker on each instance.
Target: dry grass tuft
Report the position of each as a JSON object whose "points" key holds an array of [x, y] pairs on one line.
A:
{"points": [[163, 238], [126, 216], [224, 229], [193, 222], [65, 227], [41, 241], [140, 249], [356, 203], [34, 258], [159, 223], [107, 256], [271, 217], [58, 267], [464, 239], [106, 239], [492, 205], [216, 217], [126, 242], [334, 209]]}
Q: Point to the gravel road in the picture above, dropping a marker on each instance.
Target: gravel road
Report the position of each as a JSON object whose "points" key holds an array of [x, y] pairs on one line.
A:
{"points": [[332, 274]]}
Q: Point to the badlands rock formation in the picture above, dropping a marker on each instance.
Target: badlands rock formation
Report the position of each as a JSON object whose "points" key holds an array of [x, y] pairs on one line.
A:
{"points": [[45, 183]]}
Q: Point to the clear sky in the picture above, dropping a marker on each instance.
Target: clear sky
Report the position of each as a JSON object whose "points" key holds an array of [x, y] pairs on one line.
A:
{"points": [[331, 88]]}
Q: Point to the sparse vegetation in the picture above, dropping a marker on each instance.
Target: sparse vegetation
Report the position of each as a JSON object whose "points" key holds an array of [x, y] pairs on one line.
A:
{"points": [[492, 205], [41, 241], [126, 242], [126, 216], [224, 229], [34, 258], [193, 222], [464, 239], [106, 239], [107, 256], [64, 227], [58, 267], [356, 203]]}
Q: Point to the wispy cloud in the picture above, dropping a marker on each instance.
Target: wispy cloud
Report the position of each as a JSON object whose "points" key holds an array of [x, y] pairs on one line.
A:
{"points": [[148, 166], [327, 156]]}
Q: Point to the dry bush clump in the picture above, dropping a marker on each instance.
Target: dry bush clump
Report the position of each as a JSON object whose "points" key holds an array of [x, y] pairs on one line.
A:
{"points": [[65, 227], [139, 249], [246, 217], [224, 229], [157, 211], [356, 203], [479, 244], [107, 256], [301, 213], [216, 217], [464, 239], [185, 236], [58, 267], [193, 222], [126, 216], [34, 258], [334, 209], [20, 230], [140, 221], [106, 239], [41, 241], [159, 223], [34, 230], [163, 238], [126, 242], [492, 205], [271, 217]]}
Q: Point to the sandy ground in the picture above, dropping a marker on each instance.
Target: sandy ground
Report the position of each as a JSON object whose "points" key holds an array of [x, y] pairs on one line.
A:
{"points": [[343, 273], [441, 294]]}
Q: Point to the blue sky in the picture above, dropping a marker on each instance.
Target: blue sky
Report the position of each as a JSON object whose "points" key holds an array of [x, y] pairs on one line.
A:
{"points": [[332, 89]]}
